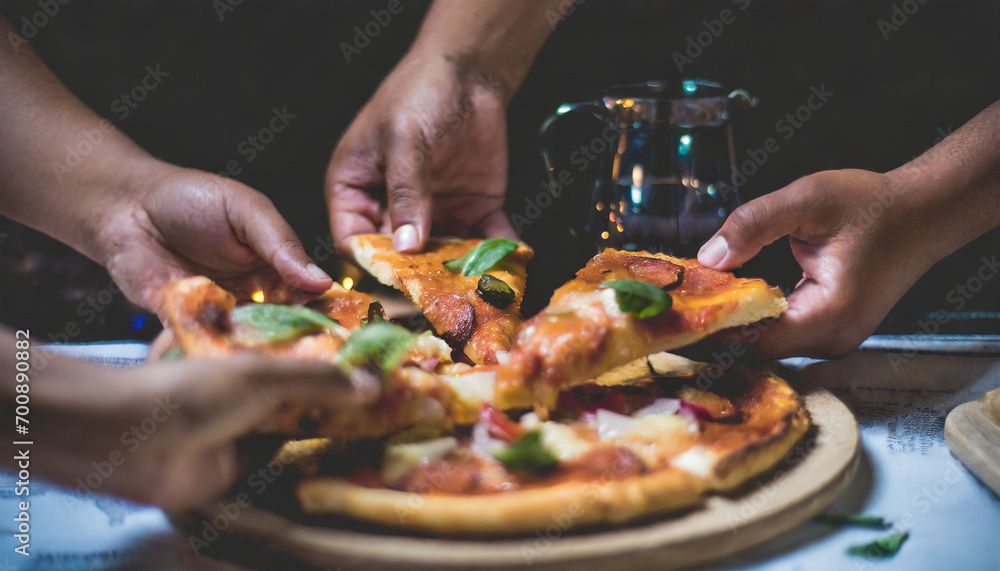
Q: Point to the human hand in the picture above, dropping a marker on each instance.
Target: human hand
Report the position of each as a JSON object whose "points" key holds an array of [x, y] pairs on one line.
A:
{"points": [[430, 147], [174, 223], [857, 260], [166, 432]]}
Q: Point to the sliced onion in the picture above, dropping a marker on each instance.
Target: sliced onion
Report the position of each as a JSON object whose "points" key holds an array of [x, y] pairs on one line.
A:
{"points": [[660, 406], [482, 444], [694, 411], [613, 425]]}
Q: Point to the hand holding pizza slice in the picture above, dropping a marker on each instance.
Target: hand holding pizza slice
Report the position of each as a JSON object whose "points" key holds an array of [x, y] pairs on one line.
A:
{"points": [[623, 306]]}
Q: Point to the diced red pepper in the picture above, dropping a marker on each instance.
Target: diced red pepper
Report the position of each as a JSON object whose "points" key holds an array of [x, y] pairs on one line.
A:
{"points": [[500, 426]]}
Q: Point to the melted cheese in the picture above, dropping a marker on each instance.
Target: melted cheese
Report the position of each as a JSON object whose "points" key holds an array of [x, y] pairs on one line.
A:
{"points": [[609, 298], [654, 438], [565, 442], [473, 390], [401, 459], [697, 461]]}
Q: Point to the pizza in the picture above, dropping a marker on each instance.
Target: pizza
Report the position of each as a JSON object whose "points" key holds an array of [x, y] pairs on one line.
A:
{"points": [[493, 426], [469, 290], [419, 383], [621, 306], [606, 455]]}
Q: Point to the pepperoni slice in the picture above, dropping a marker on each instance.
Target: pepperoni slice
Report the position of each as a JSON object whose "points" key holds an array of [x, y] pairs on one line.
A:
{"points": [[457, 316], [661, 273]]}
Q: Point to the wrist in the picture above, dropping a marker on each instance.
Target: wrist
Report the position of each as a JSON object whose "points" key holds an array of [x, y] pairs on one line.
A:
{"points": [[120, 202], [472, 72]]}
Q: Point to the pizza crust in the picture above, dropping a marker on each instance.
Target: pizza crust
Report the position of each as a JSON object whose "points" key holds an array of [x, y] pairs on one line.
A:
{"points": [[579, 503], [569, 504], [663, 364]]}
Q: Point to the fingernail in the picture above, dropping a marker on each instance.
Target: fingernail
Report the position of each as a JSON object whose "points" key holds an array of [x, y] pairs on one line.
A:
{"points": [[317, 273], [713, 252], [405, 238]]}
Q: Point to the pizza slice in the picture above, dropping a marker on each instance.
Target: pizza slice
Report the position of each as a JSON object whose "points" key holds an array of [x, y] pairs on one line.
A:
{"points": [[419, 383], [605, 455], [620, 307], [469, 290]]}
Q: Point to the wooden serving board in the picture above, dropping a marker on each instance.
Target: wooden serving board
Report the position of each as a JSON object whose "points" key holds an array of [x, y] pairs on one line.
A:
{"points": [[810, 478], [972, 434]]}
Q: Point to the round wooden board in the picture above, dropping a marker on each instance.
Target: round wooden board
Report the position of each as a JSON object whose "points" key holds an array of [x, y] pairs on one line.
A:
{"points": [[807, 481]]}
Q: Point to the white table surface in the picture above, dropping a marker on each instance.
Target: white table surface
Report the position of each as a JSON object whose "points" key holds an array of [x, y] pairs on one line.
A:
{"points": [[907, 475]]}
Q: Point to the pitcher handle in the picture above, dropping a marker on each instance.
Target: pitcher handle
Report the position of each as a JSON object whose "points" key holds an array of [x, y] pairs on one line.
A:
{"points": [[742, 99], [602, 168]]}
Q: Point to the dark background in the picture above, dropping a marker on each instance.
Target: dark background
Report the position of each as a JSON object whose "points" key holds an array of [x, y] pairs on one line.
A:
{"points": [[893, 99]]}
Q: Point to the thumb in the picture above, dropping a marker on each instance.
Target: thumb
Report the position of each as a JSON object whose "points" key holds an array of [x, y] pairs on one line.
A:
{"points": [[751, 227], [255, 219], [229, 398], [408, 194]]}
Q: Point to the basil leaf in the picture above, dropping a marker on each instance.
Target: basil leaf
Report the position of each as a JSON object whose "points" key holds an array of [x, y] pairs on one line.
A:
{"points": [[859, 520], [882, 547], [380, 344], [486, 255], [527, 454], [270, 324], [640, 298]]}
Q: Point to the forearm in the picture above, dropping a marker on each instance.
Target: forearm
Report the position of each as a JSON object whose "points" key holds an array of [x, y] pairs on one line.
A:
{"points": [[484, 37], [955, 186], [61, 165]]}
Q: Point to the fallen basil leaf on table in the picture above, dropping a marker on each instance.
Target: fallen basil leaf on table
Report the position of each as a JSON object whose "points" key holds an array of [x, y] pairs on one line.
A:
{"points": [[381, 344], [640, 298], [483, 257], [270, 324], [859, 520], [527, 454], [882, 547]]}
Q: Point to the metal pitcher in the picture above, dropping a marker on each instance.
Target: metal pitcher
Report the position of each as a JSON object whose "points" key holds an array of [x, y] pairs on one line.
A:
{"points": [[665, 163]]}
